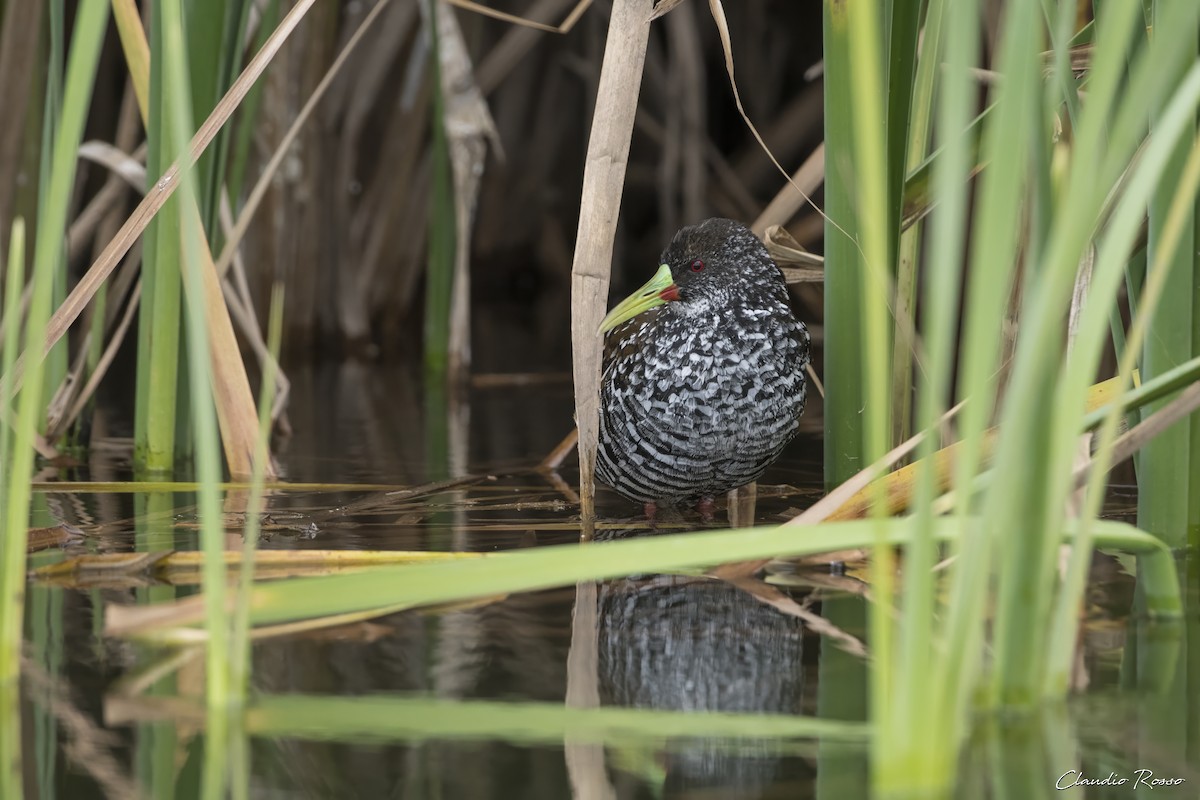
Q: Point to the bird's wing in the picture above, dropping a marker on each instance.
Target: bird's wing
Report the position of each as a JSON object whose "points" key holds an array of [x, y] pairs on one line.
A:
{"points": [[624, 340]]}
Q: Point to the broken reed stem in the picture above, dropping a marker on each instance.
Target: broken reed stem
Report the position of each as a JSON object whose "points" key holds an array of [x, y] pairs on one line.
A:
{"points": [[603, 181], [787, 201]]}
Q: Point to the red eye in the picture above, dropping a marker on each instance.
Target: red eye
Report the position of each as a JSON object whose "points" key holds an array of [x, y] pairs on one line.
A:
{"points": [[697, 265]]}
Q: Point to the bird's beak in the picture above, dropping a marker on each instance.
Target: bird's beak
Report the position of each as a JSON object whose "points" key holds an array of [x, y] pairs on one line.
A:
{"points": [[658, 290]]}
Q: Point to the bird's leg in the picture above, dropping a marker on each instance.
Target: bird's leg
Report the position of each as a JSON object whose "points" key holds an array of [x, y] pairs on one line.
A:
{"points": [[651, 509], [707, 508]]}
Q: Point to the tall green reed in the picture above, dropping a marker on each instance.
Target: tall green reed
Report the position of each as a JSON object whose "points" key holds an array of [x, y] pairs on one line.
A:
{"points": [[16, 451], [55, 366], [214, 36], [47, 250], [239, 637], [917, 141], [159, 322], [215, 30], [439, 281], [877, 221], [12, 545], [940, 309], [845, 278], [1168, 505], [1040, 206], [171, 63]]}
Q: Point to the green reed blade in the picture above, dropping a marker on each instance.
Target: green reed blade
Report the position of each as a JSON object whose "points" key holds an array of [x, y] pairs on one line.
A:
{"points": [[304, 598], [940, 309], [1165, 506], [55, 367], [179, 129], [380, 718], [909, 246], [239, 661], [159, 319], [1108, 142], [12, 543], [90, 23], [439, 275], [844, 274]]}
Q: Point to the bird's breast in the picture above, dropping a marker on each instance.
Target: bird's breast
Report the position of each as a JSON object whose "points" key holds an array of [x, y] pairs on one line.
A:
{"points": [[699, 379]]}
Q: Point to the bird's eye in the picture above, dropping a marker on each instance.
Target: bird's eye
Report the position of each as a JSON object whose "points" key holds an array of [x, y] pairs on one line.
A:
{"points": [[697, 265]]}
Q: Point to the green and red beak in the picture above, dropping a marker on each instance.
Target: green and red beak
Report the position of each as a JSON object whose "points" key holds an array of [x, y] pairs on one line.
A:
{"points": [[659, 290]]}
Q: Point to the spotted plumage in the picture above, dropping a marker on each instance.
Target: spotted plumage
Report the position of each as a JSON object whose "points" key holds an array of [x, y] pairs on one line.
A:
{"points": [[701, 392]]}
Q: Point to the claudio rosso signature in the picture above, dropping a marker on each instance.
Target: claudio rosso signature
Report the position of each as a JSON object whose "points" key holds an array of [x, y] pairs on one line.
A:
{"points": [[1139, 777]]}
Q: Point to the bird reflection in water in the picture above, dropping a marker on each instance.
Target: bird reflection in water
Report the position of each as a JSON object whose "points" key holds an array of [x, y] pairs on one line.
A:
{"points": [[689, 644]]}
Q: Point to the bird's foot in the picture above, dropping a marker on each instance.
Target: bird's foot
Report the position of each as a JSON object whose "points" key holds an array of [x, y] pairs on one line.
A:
{"points": [[651, 510], [707, 508]]}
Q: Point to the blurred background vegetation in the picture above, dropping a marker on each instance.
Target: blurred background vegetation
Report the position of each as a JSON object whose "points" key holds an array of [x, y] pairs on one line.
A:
{"points": [[368, 200], [344, 222]]}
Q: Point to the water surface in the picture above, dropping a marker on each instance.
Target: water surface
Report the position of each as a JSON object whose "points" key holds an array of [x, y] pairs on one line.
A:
{"points": [[645, 642]]}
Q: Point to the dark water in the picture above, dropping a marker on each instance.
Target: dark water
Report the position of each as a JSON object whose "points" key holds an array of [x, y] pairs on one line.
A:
{"points": [[646, 642]]}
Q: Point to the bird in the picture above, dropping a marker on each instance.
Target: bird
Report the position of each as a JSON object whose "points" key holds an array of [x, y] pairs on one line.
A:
{"points": [[703, 377]]}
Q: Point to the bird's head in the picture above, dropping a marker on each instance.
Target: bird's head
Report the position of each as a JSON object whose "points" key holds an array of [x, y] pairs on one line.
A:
{"points": [[704, 265]]}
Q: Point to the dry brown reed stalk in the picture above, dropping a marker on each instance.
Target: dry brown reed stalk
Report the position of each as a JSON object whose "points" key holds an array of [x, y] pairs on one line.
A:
{"points": [[125, 175], [180, 567], [663, 7], [185, 714], [769, 595], [741, 505], [127, 280], [788, 202], [126, 171], [137, 52], [798, 265], [600, 204], [232, 396], [585, 761], [516, 43], [1136, 437], [241, 308], [138, 681], [566, 25], [469, 128], [555, 457], [57, 536], [101, 368], [559, 485], [853, 499]]}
